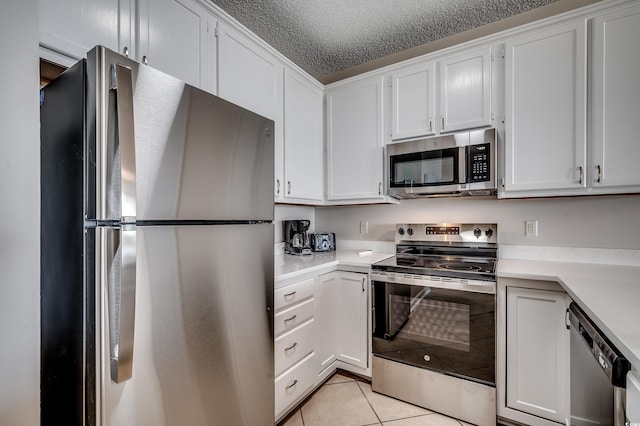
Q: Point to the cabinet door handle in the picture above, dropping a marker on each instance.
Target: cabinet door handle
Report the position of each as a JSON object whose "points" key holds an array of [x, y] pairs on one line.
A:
{"points": [[430, 125], [581, 174], [288, 187], [442, 122], [599, 178], [125, 51], [278, 186], [291, 347], [293, 293], [145, 60], [379, 188], [291, 318], [363, 284], [295, 382]]}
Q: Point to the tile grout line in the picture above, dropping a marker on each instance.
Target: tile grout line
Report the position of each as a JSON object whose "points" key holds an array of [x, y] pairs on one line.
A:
{"points": [[369, 402]]}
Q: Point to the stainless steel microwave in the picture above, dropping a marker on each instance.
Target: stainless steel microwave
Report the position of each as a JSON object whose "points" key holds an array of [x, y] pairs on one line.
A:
{"points": [[451, 165]]}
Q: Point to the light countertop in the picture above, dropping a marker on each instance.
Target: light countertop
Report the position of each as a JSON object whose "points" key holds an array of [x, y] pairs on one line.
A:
{"points": [[608, 294], [289, 266]]}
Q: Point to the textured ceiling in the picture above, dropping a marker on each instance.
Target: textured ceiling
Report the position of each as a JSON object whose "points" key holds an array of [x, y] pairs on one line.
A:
{"points": [[324, 37]]}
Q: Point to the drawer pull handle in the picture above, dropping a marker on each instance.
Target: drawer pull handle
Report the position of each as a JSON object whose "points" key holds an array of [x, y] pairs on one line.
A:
{"points": [[293, 293], [291, 318], [295, 382], [291, 347]]}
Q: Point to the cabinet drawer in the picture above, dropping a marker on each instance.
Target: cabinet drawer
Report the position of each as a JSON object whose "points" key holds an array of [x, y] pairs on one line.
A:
{"points": [[294, 293], [291, 318], [291, 386], [293, 346]]}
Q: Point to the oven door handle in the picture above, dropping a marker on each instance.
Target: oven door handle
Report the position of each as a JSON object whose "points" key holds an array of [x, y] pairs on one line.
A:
{"points": [[475, 286]]}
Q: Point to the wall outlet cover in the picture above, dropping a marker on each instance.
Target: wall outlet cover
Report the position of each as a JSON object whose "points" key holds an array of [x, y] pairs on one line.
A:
{"points": [[530, 228]]}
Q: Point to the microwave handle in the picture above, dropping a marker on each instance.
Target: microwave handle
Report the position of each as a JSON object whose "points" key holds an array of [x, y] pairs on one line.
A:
{"points": [[462, 164]]}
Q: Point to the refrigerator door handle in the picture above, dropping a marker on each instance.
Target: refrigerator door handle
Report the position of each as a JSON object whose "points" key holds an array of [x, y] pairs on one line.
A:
{"points": [[122, 86], [121, 293]]}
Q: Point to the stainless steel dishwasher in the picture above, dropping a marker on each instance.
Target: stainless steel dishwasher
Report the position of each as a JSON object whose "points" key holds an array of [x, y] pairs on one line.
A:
{"points": [[598, 374]]}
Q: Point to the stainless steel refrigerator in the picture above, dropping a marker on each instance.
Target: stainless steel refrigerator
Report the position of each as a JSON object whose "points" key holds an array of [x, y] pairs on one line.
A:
{"points": [[156, 251]]}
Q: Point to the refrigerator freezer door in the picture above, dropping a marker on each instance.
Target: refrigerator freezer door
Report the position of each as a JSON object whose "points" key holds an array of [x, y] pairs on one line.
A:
{"points": [[203, 332], [197, 157]]}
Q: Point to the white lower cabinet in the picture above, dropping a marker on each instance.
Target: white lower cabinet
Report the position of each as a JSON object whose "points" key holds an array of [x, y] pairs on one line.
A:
{"points": [[533, 352], [352, 334], [291, 386], [325, 330]]}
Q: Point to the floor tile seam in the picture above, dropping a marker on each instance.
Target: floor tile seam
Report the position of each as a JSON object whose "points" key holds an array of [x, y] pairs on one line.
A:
{"points": [[369, 402]]}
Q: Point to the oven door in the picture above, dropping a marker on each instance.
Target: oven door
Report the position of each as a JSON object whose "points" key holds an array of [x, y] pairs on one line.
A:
{"points": [[449, 330]]}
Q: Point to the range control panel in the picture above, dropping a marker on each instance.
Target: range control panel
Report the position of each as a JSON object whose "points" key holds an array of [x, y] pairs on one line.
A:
{"points": [[453, 232]]}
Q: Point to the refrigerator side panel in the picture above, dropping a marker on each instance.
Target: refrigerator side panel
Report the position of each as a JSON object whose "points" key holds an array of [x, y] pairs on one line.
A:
{"points": [[203, 346], [63, 294]]}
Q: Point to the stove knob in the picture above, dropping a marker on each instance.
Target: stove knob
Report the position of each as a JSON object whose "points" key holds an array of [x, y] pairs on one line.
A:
{"points": [[410, 231], [401, 231], [488, 232], [477, 232]]}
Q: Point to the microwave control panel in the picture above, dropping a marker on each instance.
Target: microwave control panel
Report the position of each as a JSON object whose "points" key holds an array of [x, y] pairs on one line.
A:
{"points": [[479, 163]]}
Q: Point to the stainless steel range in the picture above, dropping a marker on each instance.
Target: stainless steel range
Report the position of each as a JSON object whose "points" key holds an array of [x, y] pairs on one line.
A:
{"points": [[433, 310]]}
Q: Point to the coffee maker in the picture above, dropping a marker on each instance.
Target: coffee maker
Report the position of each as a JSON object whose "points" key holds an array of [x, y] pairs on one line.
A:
{"points": [[296, 239]]}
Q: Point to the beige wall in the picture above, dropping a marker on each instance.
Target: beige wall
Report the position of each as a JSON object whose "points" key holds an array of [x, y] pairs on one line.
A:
{"points": [[598, 222], [19, 215]]}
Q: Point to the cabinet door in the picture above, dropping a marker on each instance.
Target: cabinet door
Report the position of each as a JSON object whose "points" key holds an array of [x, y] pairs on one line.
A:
{"points": [[616, 98], [354, 140], [537, 352], [413, 102], [76, 26], [545, 137], [325, 320], [174, 38], [351, 313], [247, 75], [303, 154], [465, 91]]}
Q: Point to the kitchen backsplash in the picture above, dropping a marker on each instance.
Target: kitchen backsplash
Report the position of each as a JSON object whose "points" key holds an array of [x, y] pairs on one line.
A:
{"points": [[598, 222]]}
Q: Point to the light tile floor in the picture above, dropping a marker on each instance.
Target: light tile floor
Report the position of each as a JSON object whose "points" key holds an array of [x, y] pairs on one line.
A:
{"points": [[346, 400]]}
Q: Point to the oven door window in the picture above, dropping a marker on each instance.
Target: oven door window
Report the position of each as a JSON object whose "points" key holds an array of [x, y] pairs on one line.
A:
{"points": [[428, 168], [450, 331]]}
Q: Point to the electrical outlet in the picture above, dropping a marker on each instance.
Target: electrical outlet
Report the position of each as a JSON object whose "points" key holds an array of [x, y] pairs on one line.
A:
{"points": [[364, 227], [530, 228]]}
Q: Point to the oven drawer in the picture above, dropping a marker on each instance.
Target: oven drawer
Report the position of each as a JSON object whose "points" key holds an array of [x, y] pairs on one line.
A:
{"points": [[291, 318], [294, 383], [294, 293], [293, 346]]}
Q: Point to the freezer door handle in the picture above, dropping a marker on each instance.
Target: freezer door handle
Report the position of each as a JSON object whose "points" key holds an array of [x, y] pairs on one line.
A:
{"points": [[122, 87], [121, 277]]}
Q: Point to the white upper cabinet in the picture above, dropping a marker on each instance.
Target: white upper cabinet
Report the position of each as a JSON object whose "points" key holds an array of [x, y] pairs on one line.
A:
{"points": [[465, 91], [413, 94], [546, 92], [73, 27], [458, 98], [616, 99], [355, 140], [248, 75], [174, 38], [303, 149]]}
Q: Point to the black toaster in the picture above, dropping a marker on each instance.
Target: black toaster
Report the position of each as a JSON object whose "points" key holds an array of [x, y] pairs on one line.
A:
{"points": [[324, 241]]}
